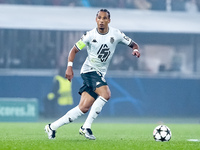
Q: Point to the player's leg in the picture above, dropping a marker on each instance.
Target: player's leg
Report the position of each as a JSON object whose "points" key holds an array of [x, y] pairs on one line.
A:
{"points": [[104, 95], [84, 105], [69, 117], [86, 102], [104, 91], [95, 85]]}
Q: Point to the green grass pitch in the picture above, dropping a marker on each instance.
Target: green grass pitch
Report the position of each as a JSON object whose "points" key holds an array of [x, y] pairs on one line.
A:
{"points": [[110, 136]]}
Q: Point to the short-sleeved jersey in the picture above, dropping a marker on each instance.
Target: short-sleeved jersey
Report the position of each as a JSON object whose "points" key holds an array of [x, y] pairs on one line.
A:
{"points": [[100, 48]]}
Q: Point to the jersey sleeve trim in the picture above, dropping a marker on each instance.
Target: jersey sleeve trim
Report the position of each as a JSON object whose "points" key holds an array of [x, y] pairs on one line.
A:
{"points": [[77, 47]]}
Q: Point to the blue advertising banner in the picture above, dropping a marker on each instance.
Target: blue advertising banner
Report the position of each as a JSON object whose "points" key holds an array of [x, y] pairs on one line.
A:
{"points": [[18, 109], [130, 96]]}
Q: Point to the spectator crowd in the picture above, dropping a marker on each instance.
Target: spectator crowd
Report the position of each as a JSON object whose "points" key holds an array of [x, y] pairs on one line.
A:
{"points": [[162, 5]]}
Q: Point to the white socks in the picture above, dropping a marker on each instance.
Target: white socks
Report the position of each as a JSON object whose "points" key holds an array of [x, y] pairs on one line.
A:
{"points": [[94, 112], [74, 113], [70, 116]]}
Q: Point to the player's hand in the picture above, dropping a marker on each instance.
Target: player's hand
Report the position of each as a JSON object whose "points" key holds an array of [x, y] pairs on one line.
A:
{"points": [[69, 74], [136, 53]]}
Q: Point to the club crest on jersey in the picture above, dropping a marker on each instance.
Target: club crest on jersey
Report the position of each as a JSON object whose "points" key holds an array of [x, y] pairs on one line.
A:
{"points": [[112, 40]]}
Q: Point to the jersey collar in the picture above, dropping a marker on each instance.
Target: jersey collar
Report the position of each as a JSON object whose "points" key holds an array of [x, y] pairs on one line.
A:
{"points": [[104, 33]]}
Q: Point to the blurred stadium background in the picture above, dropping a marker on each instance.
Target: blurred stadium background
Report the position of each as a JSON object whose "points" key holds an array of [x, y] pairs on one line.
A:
{"points": [[37, 35]]}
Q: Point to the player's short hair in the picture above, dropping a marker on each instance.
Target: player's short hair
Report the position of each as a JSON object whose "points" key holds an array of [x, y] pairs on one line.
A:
{"points": [[104, 10]]}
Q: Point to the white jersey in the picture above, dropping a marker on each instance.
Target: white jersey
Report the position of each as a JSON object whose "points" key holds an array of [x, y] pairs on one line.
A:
{"points": [[100, 48]]}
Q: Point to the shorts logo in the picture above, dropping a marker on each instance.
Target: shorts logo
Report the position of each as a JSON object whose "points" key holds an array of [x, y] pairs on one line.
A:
{"points": [[103, 52], [103, 79], [97, 83]]}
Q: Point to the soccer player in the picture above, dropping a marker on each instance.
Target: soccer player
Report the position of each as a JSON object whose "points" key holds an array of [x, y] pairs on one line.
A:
{"points": [[101, 43]]}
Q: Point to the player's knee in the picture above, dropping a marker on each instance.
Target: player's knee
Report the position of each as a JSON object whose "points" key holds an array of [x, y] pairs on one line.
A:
{"points": [[106, 95], [83, 109]]}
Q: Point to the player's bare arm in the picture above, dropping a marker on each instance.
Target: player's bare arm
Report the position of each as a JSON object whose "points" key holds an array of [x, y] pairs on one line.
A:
{"points": [[69, 71]]}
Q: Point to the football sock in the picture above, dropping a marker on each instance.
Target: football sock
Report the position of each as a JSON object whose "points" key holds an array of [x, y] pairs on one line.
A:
{"points": [[69, 117], [94, 112]]}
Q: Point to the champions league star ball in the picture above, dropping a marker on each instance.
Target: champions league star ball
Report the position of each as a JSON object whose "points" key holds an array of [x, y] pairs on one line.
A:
{"points": [[162, 133]]}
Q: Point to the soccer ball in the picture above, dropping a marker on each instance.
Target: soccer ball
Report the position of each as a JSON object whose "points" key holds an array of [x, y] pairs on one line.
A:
{"points": [[162, 133]]}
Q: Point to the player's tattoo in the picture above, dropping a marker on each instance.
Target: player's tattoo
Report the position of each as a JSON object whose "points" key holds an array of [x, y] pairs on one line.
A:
{"points": [[131, 44]]}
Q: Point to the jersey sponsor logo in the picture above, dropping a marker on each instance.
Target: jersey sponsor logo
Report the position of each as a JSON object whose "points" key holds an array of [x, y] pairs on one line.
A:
{"points": [[103, 53]]}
